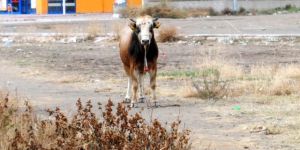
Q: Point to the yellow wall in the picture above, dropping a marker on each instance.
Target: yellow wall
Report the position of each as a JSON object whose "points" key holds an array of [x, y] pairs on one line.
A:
{"points": [[89, 6], [134, 3], [42, 7], [100, 6], [94, 6], [108, 6]]}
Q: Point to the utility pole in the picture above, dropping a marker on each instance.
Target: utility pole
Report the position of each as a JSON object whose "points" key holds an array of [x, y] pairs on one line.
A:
{"points": [[235, 6], [64, 7]]}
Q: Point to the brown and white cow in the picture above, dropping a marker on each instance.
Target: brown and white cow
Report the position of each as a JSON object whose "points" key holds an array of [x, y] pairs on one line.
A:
{"points": [[139, 53]]}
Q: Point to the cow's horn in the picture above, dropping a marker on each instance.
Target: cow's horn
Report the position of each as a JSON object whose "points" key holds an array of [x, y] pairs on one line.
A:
{"points": [[132, 20], [155, 19]]}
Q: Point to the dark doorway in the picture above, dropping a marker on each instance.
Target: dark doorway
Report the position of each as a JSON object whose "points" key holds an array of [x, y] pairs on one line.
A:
{"points": [[55, 7], [70, 6]]}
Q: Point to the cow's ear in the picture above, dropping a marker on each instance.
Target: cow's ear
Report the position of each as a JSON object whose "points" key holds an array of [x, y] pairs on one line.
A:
{"points": [[156, 24], [132, 26]]}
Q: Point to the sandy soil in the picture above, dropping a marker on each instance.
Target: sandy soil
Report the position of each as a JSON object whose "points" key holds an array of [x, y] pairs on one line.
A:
{"points": [[57, 74]]}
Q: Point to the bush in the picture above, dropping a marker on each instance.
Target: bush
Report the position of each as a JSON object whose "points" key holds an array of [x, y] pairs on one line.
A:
{"points": [[212, 12], [288, 7], [115, 130], [167, 34], [198, 12], [161, 11], [210, 85], [227, 11], [242, 11], [129, 12]]}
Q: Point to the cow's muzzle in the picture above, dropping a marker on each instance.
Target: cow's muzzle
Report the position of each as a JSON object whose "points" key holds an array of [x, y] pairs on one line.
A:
{"points": [[145, 42]]}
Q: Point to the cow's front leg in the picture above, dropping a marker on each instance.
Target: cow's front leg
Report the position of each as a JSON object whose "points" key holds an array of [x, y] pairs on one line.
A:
{"points": [[152, 74], [135, 88], [141, 88], [128, 93]]}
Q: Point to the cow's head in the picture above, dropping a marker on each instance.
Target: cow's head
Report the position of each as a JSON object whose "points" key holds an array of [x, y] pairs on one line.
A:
{"points": [[143, 27]]}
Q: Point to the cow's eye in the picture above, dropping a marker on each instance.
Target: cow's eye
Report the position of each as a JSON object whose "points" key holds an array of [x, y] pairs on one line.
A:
{"points": [[138, 29]]}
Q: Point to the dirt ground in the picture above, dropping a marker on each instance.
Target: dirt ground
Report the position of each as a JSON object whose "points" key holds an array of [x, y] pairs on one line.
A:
{"points": [[57, 74]]}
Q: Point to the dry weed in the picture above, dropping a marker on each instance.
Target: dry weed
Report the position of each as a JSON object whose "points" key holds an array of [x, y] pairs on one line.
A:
{"points": [[70, 79], [198, 12], [165, 11], [116, 129], [93, 30], [117, 27], [268, 80], [275, 80], [167, 34]]}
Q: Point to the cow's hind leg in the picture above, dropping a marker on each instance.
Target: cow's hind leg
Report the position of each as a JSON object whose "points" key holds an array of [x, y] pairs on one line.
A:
{"points": [[128, 93], [153, 85]]}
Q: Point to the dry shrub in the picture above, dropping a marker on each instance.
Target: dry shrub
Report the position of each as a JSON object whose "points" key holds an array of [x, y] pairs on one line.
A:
{"points": [[217, 80], [129, 12], [227, 11], [210, 85], [162, 11], [114, 130], [167, 34], [93, 30], [198, 12], [242, 11]]}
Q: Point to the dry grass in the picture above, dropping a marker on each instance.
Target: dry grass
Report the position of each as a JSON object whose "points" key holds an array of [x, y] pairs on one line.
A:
{"points": [[198, 12], [215, 81], [167, 34], [275, 80], [93, 30], [21, 129], [228, 79], [70, 79], [165, 11], [129, 12], [117, 27], [61, 28]]}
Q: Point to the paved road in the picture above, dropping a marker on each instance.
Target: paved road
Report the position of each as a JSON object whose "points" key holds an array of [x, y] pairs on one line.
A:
{"points": [[285, 24]]}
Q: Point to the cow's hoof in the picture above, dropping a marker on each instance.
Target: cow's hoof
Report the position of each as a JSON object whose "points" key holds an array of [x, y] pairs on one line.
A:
{"points": [[156, 104], [133, 105], [142, 99], [127, 100]]}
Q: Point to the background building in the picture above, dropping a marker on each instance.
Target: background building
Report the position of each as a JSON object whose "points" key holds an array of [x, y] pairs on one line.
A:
{"points": [[18, 6], [106, 6], [57, 6]]}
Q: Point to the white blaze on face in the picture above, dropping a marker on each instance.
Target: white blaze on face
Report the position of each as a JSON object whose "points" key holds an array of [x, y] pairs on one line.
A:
{"points": [[145, 24]]}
